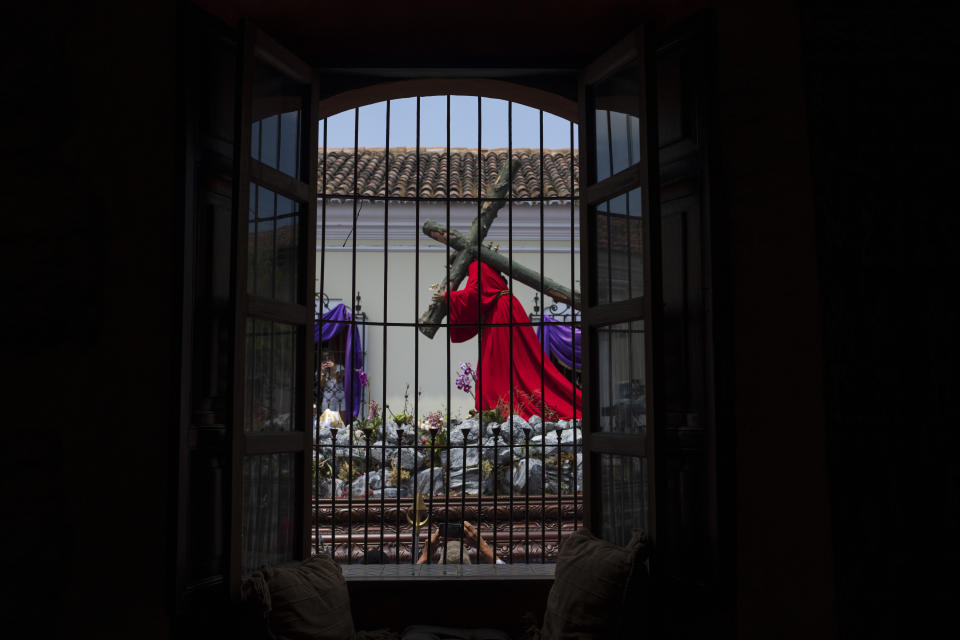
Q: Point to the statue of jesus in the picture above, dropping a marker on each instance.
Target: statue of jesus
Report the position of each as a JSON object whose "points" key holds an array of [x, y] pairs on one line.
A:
{"points": [[486, 299]]}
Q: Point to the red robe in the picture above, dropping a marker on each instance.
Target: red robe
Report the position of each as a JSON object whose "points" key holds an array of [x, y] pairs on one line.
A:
{"points": [[487, 298]]}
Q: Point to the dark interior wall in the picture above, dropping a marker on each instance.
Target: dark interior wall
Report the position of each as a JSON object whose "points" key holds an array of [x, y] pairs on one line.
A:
{"points": [[89, 334], [783, 557], [98, 400], [882, 107], [90, 339]]}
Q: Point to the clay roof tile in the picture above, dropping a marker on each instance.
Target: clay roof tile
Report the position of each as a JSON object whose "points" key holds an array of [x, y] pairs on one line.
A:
{"points": [[372, 172]]}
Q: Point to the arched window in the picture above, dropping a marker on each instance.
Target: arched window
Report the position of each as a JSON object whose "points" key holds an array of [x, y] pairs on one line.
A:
{"points": [[610, 209], [397, 180]]}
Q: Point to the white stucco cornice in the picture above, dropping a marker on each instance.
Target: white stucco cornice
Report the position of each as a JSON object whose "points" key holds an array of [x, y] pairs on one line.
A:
{"points": [[404, 228]]}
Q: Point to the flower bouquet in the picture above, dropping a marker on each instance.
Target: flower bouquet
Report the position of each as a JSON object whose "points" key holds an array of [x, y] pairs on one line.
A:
{"points": [[433, 420]]}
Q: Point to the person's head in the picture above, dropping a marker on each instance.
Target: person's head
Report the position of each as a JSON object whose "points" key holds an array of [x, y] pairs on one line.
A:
{"points": [[451, 553], [374, 556]]}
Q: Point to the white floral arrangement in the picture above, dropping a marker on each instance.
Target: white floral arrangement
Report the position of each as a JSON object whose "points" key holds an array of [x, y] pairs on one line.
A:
{"points": [[330, 419]]}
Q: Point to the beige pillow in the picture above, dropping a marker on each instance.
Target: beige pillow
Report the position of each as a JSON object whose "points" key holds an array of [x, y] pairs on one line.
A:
{"points": [[305, 600], [589, 592]]}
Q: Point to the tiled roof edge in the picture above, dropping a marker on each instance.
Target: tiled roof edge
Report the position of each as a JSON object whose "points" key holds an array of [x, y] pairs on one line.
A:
{"points": [[444, 149]]}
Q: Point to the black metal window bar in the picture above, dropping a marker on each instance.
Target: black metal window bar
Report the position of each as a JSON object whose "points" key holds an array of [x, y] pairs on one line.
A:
{"points": [[371, 472]]}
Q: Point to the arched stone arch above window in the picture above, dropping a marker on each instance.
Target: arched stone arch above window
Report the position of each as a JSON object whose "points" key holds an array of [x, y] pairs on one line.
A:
{"points": [[514, 92]]}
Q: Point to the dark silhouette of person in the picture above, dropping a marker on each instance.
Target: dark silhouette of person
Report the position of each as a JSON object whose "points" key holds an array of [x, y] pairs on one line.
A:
{"points": [[374, 556]]}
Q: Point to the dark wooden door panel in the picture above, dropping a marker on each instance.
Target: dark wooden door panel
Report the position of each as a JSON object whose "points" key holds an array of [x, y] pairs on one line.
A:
{"points": [[688, 517]]}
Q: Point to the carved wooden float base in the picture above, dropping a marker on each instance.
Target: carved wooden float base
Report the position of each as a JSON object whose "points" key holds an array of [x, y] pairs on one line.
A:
{"points": [[532, 534]]}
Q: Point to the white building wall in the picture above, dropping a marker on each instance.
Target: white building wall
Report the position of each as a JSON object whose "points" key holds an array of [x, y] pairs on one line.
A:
{"points": [[402, 305]]}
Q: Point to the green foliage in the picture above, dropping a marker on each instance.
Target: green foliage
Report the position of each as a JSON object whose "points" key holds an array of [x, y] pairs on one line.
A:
{"points": [[486, 467], [490, 416], [323, 468], [372, 423], [403, 419], [497, 414], [396, 471], [344, 472]]}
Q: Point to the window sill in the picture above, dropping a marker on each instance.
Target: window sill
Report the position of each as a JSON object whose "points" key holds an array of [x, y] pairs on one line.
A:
{"points": [[442, 572]]}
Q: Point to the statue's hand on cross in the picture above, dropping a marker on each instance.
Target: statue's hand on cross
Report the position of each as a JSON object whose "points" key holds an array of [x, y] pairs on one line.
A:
{"points": [[440, 295]]}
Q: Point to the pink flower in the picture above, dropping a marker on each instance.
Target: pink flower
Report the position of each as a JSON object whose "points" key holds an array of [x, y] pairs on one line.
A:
{"points": [[466, 378], [435, 420], [363, 377]]}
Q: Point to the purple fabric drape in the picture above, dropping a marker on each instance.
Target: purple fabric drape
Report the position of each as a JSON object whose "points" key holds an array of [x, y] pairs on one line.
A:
{"points": [[332, 324], [560, 341]]}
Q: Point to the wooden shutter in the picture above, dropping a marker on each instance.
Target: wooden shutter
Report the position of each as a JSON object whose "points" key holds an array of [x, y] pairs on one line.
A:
{"points": [[654, 464], [275, 251], [621, 289], [209, 69], [690, 451]]}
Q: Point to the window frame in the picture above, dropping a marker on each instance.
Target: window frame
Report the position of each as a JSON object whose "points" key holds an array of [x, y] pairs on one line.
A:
{"points": [[637, 47], [253, 44], [206, 568]]}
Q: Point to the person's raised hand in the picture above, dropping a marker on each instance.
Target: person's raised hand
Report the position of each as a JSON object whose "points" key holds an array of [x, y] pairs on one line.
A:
{"points": [[473, 537], [470, 534], [428, 548]]}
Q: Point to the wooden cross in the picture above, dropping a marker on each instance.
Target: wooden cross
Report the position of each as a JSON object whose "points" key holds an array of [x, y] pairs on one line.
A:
{"points": [[469, 249]]}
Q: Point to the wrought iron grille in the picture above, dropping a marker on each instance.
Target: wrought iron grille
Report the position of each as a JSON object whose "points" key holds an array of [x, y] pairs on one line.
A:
{"points": [[384, 477]]}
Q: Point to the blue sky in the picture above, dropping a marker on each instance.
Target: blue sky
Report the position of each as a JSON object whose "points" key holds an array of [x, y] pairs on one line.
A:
{"points": [[433, 125]]}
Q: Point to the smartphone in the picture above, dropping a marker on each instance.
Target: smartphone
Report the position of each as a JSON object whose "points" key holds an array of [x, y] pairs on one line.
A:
{"points": [[450, 529]]}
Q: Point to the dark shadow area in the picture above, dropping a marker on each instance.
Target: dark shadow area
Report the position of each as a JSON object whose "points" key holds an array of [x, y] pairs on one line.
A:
{"points": [[836, 143]]}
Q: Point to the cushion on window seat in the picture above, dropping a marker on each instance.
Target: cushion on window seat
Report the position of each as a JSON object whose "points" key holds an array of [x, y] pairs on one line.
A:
{"points": [[305, 600], [599, 589], [426, 632]]}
